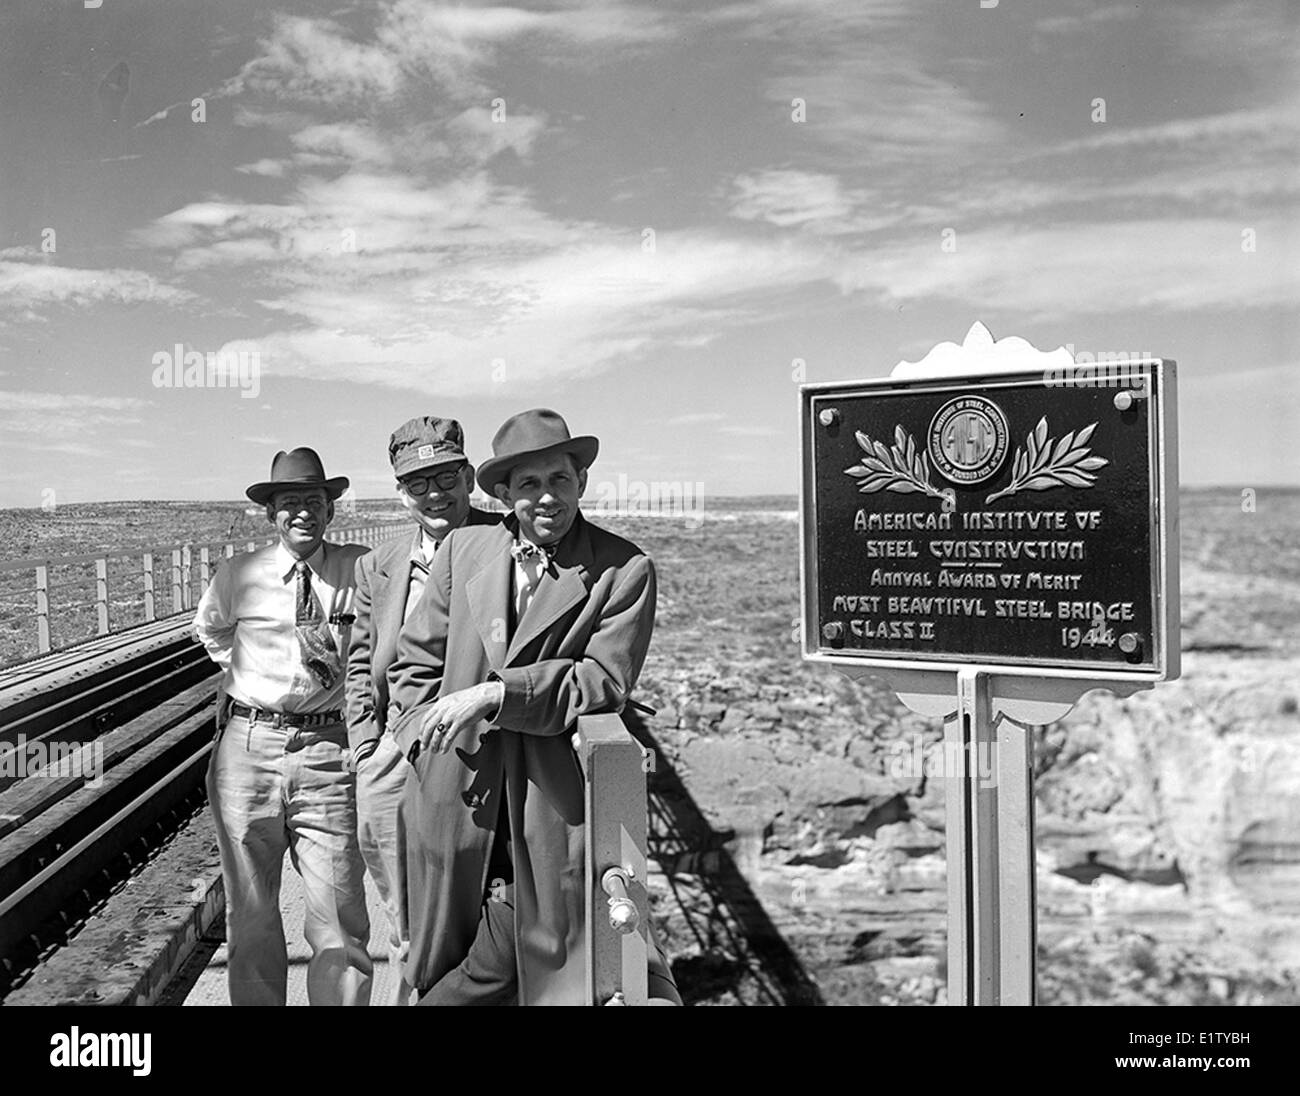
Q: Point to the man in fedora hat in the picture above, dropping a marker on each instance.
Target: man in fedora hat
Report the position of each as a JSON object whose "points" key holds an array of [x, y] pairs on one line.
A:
{"points": [[523, 628], [277, 621], [434, 482]]}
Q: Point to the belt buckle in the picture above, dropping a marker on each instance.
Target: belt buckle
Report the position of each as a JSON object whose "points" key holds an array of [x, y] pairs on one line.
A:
{"points": [[275, 719]]}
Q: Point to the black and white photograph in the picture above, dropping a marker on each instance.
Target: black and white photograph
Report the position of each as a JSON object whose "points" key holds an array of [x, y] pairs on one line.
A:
{"points": [[650, 503]]}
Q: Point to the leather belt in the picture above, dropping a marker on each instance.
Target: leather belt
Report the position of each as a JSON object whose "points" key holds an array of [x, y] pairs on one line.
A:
{"points": [[286, 719]]}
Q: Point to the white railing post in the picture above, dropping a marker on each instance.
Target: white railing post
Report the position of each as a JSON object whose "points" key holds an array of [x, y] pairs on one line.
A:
{"points": [[150, 613], [187, 578], [42, 608], [178, 601], [101, 594], [617, 904]]}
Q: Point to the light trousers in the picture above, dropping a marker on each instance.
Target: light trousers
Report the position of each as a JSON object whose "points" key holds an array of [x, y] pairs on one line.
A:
{"points": [[277, 788], [380, 781]]}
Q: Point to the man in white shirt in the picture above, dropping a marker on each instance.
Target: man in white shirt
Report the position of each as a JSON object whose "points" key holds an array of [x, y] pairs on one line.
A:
{"points": [[434, 482], [277, 621]]}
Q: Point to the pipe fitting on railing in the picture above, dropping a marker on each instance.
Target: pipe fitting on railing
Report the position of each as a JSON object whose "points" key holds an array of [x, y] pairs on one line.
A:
{"points": [[623, 915]]}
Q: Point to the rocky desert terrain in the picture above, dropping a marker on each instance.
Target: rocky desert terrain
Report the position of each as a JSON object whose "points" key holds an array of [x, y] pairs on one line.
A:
{"points": [[1168, 823]]}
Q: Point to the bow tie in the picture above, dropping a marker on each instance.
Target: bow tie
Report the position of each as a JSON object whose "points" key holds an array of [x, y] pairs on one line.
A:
{"points": [[522, 551]]}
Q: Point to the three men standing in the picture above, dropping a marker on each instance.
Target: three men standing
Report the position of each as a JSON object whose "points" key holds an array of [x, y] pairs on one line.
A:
{"points": [[477, 646], [434, 480], [277, 622]]}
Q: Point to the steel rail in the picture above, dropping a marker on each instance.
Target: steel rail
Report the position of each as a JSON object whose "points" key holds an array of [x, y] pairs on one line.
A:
{"points": [[67, 857]]}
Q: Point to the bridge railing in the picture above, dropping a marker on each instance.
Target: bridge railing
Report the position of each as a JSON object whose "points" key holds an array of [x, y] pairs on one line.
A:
{"points": [[51, 602], [618, 905]]}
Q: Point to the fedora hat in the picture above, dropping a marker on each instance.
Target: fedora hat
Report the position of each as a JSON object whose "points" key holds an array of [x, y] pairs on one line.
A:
{"points": [[300, 468], [533, 433]]}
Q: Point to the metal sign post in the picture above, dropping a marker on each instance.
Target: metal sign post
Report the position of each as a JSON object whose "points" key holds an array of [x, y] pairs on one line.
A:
{"points": [[993, 531]]}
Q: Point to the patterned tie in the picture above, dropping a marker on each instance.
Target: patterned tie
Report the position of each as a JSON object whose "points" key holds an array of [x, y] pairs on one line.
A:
{"points": [[525, 550], [533, 559], [307, 605], [315, 643]]}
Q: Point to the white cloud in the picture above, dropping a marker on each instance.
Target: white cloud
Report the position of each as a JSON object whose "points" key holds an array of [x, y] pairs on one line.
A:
{"points": [[1279, 121], [693, 418], [1120, 266], [38, 420], [348, 142], [543, 311], [749, 431], [869, 95], [481, 135], [1087, 19], [27, 288], [785, 197], [63, 401], [816, 201], [273, 169], [315, 61]]}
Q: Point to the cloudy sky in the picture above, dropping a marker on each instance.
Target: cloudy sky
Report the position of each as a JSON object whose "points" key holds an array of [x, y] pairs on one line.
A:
{"points": [[645, 215]]}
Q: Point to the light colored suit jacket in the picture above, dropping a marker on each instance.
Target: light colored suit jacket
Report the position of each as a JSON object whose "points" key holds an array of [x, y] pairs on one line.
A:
{"points": [[578, 650], [383, 579]]}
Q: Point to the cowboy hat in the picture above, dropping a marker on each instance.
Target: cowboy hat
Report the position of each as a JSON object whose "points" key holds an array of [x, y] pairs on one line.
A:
{"points": [[300, 468], [533, 433]]}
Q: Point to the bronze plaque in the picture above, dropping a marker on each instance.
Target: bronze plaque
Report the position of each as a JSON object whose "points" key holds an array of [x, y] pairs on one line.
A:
{"points": [[1008, 520]]}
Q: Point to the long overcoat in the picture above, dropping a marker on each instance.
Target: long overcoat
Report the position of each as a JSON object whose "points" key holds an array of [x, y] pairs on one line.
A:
{"points": [[577, 651]]}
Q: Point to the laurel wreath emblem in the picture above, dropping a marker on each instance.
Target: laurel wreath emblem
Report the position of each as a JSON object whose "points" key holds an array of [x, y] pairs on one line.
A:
{"points": [[900, 468], [1044, 464]]}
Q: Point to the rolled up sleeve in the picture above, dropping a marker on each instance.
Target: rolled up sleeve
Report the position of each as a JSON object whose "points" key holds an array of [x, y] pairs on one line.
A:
{"points": [[213, 622]]}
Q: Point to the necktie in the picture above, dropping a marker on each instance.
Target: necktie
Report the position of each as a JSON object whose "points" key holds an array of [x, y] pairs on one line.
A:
{"points": [[319, 653], [307, 605], [532, 560], [525, 550]]}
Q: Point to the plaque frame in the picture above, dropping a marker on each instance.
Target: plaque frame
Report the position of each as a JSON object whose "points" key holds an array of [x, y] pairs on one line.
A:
{"points": [[969, 368]]}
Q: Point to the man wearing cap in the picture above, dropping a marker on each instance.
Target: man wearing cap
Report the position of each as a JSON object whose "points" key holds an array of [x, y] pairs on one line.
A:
{"points": [[434, 481], [523, 628], [277, 621]]}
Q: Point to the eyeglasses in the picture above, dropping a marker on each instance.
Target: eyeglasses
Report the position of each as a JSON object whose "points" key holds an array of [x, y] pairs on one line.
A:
{"points": [[419, 485]]}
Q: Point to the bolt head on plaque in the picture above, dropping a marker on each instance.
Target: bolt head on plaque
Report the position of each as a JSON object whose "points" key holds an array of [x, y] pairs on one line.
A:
{"points": [[1130, 642], [828, 417], [1123, 400], [833, 631]]}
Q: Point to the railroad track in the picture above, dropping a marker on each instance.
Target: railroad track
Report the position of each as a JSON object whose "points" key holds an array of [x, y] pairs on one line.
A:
{"points": [[126, 725]]}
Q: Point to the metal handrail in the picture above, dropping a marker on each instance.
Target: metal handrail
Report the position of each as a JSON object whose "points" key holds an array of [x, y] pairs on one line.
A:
{"points": [[617, 904], [159, 581]]}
